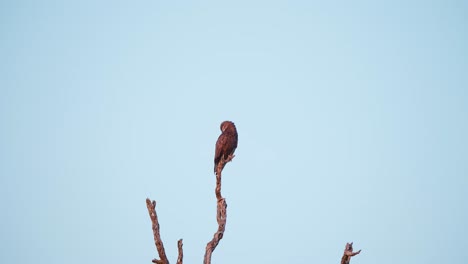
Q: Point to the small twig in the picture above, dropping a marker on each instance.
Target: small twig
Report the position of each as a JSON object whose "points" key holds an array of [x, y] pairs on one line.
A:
{"points": [[157, 238], [220, 213], [181, 252]]}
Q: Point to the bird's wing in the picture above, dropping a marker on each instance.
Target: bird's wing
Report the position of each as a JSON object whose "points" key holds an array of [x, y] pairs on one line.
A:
{"points": [[220, 144]]}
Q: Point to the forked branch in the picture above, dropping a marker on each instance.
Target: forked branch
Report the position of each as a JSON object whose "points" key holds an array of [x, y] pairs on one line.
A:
{"points": [[157, 237]]}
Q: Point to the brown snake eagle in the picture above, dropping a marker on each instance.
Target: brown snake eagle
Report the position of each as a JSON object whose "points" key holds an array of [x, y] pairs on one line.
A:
{"points": [[226, 144]]}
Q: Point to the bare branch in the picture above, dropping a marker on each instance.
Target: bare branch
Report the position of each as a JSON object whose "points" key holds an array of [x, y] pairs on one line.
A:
{"points": [[157, 238], [220, 213], [181, 251]]}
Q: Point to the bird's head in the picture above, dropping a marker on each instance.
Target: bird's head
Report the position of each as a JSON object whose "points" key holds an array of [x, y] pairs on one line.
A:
{"points": [[225, 125]]}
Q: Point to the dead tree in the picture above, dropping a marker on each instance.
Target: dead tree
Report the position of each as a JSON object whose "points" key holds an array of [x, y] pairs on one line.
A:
{"points": [[218, 235], [348, 253], [220, 217]]}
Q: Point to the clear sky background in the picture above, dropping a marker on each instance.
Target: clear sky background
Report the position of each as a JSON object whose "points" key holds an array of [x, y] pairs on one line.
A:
{"points": [[352, 120]]}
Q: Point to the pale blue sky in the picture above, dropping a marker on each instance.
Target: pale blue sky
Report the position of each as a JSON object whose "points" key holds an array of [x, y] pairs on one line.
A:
{"points": [[352, 120]]}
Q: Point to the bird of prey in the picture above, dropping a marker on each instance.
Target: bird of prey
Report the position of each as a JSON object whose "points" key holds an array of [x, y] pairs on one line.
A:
{"points": [[226, 144]]}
